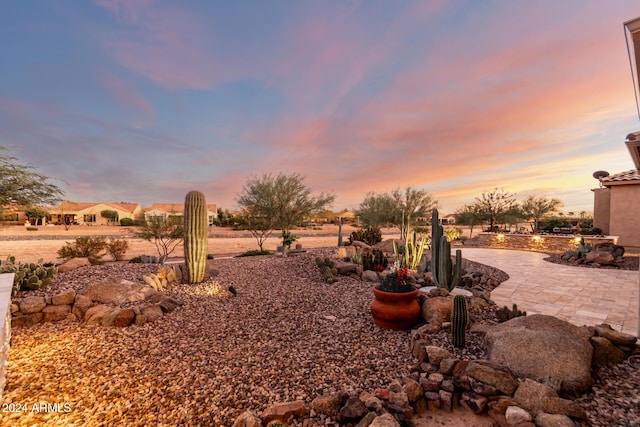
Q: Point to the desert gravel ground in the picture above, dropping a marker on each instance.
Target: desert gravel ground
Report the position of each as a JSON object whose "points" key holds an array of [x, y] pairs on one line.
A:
{"points": [[287, 335]]}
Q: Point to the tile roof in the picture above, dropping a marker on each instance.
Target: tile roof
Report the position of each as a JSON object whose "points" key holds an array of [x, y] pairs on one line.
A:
{"points": [[631, 175]]}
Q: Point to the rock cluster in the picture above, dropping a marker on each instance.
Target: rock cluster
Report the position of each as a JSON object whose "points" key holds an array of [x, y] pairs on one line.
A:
{"points": [[439, 380], [110, 302]]}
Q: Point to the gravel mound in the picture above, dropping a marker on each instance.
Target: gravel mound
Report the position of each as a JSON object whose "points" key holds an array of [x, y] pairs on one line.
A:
{"points": [[213, 358]]}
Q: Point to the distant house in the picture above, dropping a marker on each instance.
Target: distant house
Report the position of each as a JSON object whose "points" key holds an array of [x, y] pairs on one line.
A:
{"points": [[167, 210], [91, 213], [12, 215], [448, 219]]}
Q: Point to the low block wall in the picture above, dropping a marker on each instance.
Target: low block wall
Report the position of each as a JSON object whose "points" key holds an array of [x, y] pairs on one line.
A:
{"points": [[6, 284], [538, 242]]}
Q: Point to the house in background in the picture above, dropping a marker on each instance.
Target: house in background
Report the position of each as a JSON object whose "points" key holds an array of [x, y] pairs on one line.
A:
{"points": [[617, 201], [163, 211], [91, 213]]}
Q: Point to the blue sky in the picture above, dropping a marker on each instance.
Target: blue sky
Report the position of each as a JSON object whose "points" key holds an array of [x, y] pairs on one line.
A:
{"points": [[143, 101]]}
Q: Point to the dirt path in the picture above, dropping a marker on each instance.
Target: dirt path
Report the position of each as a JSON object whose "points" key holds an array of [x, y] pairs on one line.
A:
{"points": [[29, 246]]}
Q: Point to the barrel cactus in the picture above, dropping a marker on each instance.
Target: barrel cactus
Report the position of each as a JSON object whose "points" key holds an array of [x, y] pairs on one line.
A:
{"points": [[459, 320], [195, 236]]}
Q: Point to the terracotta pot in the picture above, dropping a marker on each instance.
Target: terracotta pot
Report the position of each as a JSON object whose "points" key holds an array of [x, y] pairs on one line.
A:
{"points": [[396, 311]]}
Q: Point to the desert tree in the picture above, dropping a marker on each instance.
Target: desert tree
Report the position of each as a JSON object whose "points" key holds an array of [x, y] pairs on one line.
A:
{"points": [[257, 224], [469, 214], [409, 205], [110, 215], [21, 185], [376, 210], [283, 200], [34, 213], [534, 208], [494, 205], [398, 208], [165, 233]]}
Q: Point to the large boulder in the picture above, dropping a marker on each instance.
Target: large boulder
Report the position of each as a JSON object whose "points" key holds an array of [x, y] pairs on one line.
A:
{"points": [[118, 291], [437, 310], [545, 349], [601, 258]]}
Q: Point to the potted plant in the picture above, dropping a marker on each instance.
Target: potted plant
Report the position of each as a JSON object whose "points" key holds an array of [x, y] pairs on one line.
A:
{"points": [[395, 305]]}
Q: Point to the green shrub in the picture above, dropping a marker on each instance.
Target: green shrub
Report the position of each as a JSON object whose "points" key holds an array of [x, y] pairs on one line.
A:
{"points": [[126, 222], [117, 248], [369, 235], [85, 247], [135, 260], [254, 252], [503, 314]]}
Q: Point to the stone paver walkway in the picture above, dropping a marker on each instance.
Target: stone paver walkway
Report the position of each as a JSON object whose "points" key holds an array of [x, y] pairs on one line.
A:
{"points": [[582, 296]]}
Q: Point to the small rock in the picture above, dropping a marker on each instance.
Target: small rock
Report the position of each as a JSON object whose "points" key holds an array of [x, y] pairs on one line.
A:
{"points": [[386, 420], [446, 400], [64, 298], [493, 374], [516, 415], [352, 411], [329, 404], [367, 420], [605, 353], [29, 305], [247, 419], [53, 313], [474, 402], [124, 318], [618, 338], [531, 395], [152, 312], [72, 264], [437, 354], [27, 320], [369, 276], [285, 411], [553, 420]]}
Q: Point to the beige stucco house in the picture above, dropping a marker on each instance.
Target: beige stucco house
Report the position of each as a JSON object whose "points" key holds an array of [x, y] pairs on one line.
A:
{"points": [[617, 202], [167, 210], [90, 213]]}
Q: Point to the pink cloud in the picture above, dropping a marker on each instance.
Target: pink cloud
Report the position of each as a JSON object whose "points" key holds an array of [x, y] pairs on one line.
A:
{"points": [[128, 96]]}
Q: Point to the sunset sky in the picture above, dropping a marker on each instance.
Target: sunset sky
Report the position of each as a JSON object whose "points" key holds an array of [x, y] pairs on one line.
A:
{"points": [[142, 101]]}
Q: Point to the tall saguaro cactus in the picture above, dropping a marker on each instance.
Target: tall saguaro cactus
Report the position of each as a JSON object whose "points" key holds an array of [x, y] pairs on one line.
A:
{"points": [[195, 236]]}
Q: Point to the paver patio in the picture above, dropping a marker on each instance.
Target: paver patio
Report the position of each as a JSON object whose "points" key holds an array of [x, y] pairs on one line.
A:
{"points": [[582, 296]]}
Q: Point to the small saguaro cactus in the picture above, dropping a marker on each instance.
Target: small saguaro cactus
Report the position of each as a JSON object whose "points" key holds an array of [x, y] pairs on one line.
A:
{"points": [[459, 320], [340, 233], [195, 236]]}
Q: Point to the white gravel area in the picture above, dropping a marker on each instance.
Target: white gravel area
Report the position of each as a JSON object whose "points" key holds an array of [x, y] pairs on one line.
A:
{"points": [[287, 335]]}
